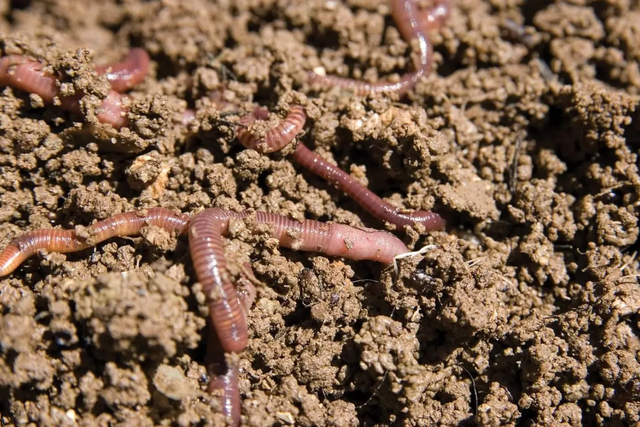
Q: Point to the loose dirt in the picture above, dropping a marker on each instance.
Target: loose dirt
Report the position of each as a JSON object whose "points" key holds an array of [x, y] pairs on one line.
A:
{"points": [[526, 312]]}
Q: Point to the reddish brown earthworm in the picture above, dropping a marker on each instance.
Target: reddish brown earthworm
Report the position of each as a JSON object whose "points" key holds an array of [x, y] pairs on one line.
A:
{"points": [[363, 196], [377, 207], [207, 252], [412, 24], [223, 374], [275, 138], [55, 240], [206, 245], [26, 74], [129, 72], [223, 378]]}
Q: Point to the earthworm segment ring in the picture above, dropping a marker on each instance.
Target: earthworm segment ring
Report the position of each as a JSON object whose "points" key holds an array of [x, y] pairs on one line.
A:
{"points": [[205, 230]]}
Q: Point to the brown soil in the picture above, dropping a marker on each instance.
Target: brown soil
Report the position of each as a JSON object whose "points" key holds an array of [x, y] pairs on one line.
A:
{"points": [[526, 312]]}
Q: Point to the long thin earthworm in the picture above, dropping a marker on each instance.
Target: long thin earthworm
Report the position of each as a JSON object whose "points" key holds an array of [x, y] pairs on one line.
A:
{"points": [[363, 196], [223, 375], [129, 72], [282, 135], [26, 74], [206, 245], [64, 241], [412, 24]]}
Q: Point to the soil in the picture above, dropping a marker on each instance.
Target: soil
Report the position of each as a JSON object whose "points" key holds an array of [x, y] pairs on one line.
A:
{"points": [[526, 311]]}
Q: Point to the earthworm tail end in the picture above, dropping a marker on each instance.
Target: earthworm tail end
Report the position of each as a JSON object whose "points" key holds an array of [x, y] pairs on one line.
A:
{"points": [[275, 138], [25, 74], [55, 240], [223, 374], [223, 378], [128, 73], [365, 198]]}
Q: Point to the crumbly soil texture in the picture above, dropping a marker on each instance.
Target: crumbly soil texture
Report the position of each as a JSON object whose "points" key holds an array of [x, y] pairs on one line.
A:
{"points": [[524, 311]]}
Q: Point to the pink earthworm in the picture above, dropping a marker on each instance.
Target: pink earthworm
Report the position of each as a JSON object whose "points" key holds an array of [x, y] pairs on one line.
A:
{"points": [[223, 378], [64, 241], [125, 75], [412, 24], [363, 196], [206, 246], [223, 374], [26, 74], [275, 138], [377, 207]]}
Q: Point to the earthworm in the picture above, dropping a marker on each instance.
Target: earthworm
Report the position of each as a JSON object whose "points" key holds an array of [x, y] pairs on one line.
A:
{"points": [[26, 74], [275, 138], [363, 196], [206, 245], [412, 28], [128, 73], [223, 374], [207, 252], [293, 123], [63, 241]]}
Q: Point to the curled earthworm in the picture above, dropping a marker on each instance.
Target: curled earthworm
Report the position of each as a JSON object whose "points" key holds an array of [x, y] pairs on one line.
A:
{"points": [[26, 74], [363, 196], [412, 24], [207, 251], [284, 133], [275, 138], [129, 72]]}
